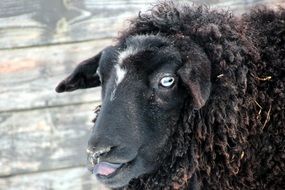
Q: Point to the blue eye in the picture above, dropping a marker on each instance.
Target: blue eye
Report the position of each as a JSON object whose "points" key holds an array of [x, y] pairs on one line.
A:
{"points": [[167, 81]]}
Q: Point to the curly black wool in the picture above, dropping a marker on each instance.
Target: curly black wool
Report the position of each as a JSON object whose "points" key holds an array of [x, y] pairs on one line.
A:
{"points": [[237, 140]]}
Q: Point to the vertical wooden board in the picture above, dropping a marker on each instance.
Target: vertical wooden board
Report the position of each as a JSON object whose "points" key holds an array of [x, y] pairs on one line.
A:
{"points": [[44, 139], [29, 76], [66, 179], [38, 22], [5, 145]]}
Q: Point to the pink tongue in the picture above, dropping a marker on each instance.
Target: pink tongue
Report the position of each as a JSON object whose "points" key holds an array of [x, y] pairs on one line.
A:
{"points": [[105, 168]]}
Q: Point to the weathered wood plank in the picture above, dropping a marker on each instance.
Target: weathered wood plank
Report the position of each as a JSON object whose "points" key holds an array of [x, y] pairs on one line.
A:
{"points": [[28, 76], [38, 22], [65, 179], [44, 139]]}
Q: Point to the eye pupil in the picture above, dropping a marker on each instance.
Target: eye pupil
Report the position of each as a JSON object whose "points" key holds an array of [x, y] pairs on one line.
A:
{"points": [[167, 81]]}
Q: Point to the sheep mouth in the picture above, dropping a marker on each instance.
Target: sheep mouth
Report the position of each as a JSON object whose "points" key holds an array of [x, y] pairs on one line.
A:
{"points": [[105, 170]]}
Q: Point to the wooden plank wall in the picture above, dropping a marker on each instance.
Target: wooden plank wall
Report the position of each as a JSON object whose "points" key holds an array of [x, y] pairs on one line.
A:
{"points": [[43, 135]]}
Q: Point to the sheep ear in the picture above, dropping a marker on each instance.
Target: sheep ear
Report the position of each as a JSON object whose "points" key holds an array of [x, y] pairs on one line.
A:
{"points": [[196, 77], [84, 75]]}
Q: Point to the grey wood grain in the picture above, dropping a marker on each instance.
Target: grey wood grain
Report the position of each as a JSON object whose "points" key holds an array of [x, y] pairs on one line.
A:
{"points": [[77, 178], [40, 22], [44, 139], [28, 76]]}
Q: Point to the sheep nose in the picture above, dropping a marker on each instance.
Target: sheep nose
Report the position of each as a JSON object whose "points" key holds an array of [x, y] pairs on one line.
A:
{"points": [[95, 153]]}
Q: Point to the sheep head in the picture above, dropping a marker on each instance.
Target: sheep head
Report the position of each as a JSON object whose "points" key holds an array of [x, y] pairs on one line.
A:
{"points": [[145, 83]]}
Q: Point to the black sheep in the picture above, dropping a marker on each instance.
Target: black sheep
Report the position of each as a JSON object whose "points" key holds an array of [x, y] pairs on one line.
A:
{"points": [[192, 98]]}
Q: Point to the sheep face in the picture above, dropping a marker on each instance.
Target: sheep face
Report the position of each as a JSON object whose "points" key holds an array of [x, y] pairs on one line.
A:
{"points": [[144, 86], [141, 100]]}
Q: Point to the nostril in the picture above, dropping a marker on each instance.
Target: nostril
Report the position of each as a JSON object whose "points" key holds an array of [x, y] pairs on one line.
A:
{"points": [[90, 150], [94, 152]]}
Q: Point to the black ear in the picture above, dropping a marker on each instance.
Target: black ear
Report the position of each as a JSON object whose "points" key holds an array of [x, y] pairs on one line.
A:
{"points": [[196, 75], [84, 75]]}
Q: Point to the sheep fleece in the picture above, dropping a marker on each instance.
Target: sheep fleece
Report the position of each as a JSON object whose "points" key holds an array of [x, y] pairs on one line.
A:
{"points": [[239, 135]]}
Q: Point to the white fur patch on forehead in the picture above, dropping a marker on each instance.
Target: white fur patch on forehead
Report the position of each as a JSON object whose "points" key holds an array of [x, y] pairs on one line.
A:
{"points": [[138, 43], [127, 53], [120, 74], [134, 46]]}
